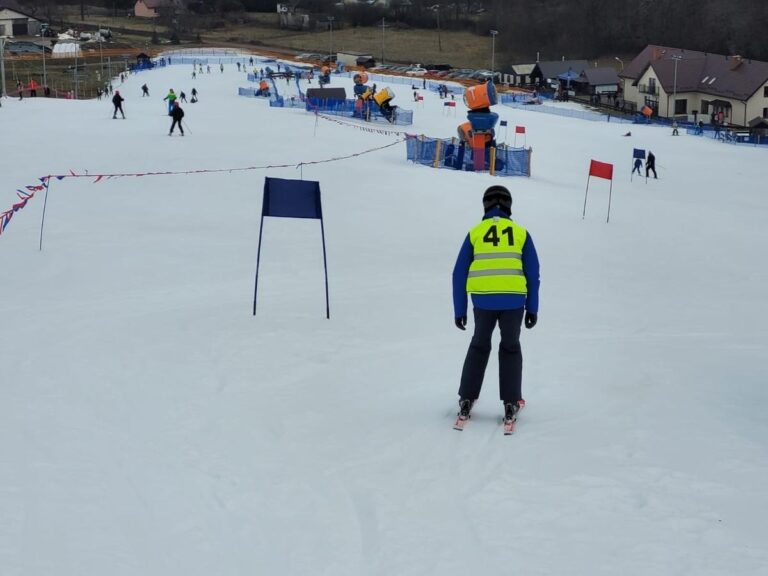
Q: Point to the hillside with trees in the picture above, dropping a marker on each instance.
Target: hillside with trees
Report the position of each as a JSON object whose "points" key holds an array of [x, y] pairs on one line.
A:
{"points": [[550, 28]]}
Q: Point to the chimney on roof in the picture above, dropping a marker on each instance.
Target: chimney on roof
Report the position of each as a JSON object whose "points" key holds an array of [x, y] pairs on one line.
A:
{"points": [[736, 61]]}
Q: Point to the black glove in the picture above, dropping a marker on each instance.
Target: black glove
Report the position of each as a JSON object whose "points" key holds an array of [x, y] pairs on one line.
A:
{"points": [[530, 319], [461, 322]]}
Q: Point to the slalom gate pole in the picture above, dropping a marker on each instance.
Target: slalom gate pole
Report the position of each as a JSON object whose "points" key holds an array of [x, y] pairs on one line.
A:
{"points": [[584, 212], [610, 192], [258, 258], [325, 266], [45, 204]]}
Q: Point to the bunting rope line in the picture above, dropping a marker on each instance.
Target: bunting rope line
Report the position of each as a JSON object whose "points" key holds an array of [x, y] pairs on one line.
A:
{"points": [[25, 197], [363, 128]]}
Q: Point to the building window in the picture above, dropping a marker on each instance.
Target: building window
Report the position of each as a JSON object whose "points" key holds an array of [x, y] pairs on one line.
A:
{"points": [[681, 107], [765, 112], [765, 91]]}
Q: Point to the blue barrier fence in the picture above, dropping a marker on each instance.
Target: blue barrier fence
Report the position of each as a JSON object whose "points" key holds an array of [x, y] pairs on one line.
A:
{"points": [[350, 109], [450, 154], [529, 105]]}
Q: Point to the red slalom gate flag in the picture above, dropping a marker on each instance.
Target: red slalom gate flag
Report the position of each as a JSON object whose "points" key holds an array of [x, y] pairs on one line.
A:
{"points": [[519, 129], [601, 170]]}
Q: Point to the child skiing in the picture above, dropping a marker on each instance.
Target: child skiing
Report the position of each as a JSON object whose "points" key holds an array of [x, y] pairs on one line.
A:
{"points": [[177, 114], [117, 101]]}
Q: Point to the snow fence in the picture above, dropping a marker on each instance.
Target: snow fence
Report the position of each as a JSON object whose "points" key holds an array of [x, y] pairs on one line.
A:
{"points": [[352, 109], [501, 160]]}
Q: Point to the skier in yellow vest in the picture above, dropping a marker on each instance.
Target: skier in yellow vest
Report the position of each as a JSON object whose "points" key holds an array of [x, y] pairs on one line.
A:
{"points": [[498, 266]]}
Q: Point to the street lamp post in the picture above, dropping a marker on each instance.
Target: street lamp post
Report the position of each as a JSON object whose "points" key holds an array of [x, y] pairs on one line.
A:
{"points": [[330, 30], [2, 66], [493, 53], [383, 25], [674, 87], [436, 8], [620, 61], [45, 76]]}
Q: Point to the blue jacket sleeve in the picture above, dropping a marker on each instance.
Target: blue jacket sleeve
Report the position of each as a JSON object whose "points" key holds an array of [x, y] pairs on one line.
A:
{"points": [[531, 270], [460, 273]]}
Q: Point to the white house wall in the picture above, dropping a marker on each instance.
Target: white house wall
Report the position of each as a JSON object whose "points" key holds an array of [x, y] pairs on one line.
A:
{"points": [[740, 113]]}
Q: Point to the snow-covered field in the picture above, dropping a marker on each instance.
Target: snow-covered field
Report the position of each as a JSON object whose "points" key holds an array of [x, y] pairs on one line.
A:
{"points": [[149, 424]]}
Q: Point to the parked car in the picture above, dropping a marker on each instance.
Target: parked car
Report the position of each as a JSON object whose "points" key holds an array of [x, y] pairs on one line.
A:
{"points": [[365, 62], [416, 71], [483, 75]]}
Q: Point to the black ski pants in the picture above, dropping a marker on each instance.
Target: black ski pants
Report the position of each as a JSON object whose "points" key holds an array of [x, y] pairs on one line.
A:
{"points": [[176, 122], [510, 354]]}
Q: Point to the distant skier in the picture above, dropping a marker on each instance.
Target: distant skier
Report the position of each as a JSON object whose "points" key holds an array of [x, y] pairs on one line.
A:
{"points": [[117, 101], [144, 91], [650, 165], [177, 114], [171, 98], [638, 166], [194, 95], [182, 96]]}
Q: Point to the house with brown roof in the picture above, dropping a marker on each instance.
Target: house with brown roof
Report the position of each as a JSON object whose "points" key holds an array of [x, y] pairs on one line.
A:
{"points": [[16, 23], [686, 84], [151, 8]]}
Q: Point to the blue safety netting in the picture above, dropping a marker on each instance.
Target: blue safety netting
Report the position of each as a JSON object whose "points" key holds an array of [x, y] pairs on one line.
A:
{"points": [[456, 156], [348, 108]]}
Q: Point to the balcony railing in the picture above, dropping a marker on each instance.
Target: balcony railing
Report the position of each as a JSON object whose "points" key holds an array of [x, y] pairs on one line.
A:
{"points": [[649, 89]]}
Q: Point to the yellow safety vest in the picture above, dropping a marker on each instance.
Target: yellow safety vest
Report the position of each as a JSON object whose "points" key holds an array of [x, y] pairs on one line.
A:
{"points": [[497, 267]]}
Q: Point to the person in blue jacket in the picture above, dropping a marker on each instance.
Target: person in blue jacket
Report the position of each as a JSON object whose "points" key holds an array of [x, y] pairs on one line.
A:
{"points": [[498, 266]]}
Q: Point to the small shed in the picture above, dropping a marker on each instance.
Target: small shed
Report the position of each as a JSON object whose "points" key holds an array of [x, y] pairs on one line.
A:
{"points": [[15, 23], [547, 73], [518, 75], [599, 81], [356, 59]]}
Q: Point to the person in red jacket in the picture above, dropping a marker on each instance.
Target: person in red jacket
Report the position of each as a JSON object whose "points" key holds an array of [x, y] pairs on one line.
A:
{"points": [[177, 114]]}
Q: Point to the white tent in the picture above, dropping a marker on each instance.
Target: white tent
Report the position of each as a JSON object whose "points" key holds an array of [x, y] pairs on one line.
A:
{"points": [[66, 50]]}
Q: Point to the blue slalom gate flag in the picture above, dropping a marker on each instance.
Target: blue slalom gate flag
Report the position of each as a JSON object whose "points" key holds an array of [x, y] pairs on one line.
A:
{"points": [[638, 153], [503, 123], [292, 199]]}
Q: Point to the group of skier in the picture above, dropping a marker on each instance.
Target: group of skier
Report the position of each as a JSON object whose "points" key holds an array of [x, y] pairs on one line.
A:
{"points": [[175, 111]]}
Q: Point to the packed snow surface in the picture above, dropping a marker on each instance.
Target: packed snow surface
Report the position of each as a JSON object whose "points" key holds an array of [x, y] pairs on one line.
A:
{"points": [[150, 424]]}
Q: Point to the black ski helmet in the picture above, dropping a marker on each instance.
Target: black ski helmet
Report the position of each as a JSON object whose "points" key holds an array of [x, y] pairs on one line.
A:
{"points": [[498, 196]]}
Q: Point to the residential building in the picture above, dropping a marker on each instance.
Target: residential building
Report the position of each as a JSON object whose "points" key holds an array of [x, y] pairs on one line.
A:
{"points": [[15, 23], [691, 85], [152, 8]]}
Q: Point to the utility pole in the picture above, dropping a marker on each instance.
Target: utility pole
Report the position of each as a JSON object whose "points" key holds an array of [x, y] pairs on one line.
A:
{"points": [[383, 25], [439, 42], [493, 54], [2, 66], [674, 88]]}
